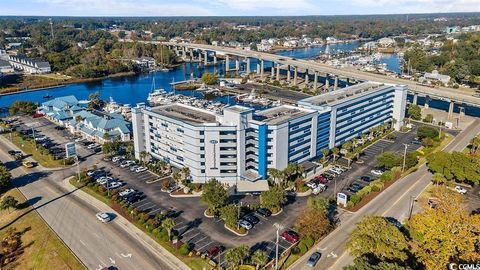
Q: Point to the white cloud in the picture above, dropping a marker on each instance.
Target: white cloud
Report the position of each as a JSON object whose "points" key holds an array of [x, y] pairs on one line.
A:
{"points": [[418, 6], [125, 8]]}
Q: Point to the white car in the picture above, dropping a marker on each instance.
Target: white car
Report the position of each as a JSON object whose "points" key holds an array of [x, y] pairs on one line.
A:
{"points": [[311, 185], [126, 192], [377, 172], [79, 139], [460, 190], [93, 145], [113, 185], [319, 189], [245, 224], [104, 179], [103, 217], [126, 163], [117, 158], [140, 169]]}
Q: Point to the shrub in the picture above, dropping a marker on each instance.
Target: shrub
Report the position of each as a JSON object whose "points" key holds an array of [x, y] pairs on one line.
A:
{"points": [[364, 191], [427, 132], [386, 176], [184, 249], [350, 204], [303, 248], [377, 186], [354, 199], [295, 250], [309, 241]]}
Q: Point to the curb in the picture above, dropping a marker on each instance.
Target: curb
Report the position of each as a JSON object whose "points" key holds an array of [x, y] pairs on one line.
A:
{"points": [[238, 234], [278, 213]]}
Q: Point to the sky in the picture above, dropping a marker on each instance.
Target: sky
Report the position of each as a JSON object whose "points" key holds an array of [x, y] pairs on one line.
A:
{"points": [[230, 7]]}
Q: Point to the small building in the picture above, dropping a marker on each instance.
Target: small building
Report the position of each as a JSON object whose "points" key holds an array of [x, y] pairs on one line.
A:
{"points": [[29, 65], [264, 47], [146, 62], [386, 42], [435, 76]]}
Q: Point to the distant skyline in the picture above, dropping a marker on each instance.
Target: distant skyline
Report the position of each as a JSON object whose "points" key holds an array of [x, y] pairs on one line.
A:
{"points": [[231, 7]]}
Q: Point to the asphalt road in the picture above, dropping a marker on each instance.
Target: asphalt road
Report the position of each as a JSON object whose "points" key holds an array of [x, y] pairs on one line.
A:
{"points": [[96, 244], [394, 202]]}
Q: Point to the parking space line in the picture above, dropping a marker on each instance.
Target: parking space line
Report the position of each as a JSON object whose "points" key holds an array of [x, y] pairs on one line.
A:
{"points": [[191, 237], [200, 248], [154, 211], [201, 239]]}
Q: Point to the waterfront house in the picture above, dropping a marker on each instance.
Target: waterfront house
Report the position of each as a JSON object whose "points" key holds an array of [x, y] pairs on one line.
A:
{"points": [[5, 67], [71, 113]]}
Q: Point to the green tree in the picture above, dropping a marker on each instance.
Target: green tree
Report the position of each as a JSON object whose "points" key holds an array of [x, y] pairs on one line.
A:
{"points": [[273, 198], [5, 177], [313, 223], [427, 132], [364, 263], [22, 107], [325, 153], [475, 144], [229, 214], [259, 258], [375, 235], [168, 225], [389, 160], [8, 202], [438, 178], [414, 112], [318, 203], [214, 195], [235, 256], [335, 152], [209, 78]]}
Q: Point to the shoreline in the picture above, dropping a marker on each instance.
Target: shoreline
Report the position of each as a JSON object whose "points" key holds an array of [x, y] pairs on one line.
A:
{"points": [[65, 83]]}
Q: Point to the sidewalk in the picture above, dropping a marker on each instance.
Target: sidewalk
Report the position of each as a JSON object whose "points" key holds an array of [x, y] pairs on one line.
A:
{"points": [[148, 242]]}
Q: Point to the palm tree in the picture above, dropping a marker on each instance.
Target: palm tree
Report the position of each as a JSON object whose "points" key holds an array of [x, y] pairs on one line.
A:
{"points": [[177, 178], [106, 136], [347, 147], [185, 174], [475, 145], [325, 153], [438, 178], [168, 224], [335, 152], [259, 258], [275, 174], [235, 256], [143, 156]]}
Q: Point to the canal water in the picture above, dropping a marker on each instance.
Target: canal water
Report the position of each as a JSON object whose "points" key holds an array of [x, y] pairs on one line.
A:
{"points": [[134, 89]]}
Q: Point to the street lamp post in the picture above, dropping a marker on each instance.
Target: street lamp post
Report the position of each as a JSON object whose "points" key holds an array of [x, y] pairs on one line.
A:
{"points": [[279, 227], [214, 143], [404, 157]]}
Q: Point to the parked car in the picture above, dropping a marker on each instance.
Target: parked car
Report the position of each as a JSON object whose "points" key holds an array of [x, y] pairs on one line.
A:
{"points": [[13, 152], [126, 192], [311, 185], [476, 211], [264, 212], [355, 187], [460, 189], [140, 169], [113, 185], [245, 224], [416, 141], [104, 179], [126, 163], [171, 189], [312, 261], [321, 179], [59, 128], [214, 251], [93, 145], [319, 189], [377, 172], [103, 217], [117, 158], [251, 218], [133, 197], [290, 236], [328, 176], [366, 178], [134, 167]]}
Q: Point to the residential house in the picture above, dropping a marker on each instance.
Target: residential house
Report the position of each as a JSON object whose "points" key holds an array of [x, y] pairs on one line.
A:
{"points": [[29, 65]]}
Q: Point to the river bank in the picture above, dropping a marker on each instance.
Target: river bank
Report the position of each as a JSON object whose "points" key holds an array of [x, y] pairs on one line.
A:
{"points": [[37, 86]]}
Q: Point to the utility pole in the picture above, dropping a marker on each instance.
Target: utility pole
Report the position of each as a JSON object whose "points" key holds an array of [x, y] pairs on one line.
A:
{"points": [[238, 214], [279, 227], [404, 157], [78, 167]]}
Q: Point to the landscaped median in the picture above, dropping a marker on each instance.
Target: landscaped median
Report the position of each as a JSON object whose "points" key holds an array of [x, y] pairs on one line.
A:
{"points": [[158, 227]]}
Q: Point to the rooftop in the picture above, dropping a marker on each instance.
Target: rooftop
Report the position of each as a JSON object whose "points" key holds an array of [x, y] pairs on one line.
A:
{"points": [[345, 94], [238, 109], [281, 114], [186, 113]]}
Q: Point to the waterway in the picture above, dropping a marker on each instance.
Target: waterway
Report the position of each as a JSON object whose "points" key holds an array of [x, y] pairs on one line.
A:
{"points": [[134, 89]]}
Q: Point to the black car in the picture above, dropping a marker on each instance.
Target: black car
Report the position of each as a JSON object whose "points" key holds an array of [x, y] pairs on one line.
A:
{"points": [[355, 187], [366, 178], [132, 198], [59, 128], [13, 152], [97, 149], [251, 218], [476, 211], [264, 212]]}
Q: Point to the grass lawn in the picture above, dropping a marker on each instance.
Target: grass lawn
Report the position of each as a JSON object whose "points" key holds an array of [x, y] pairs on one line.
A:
{"points": [[43, 249], [29, 148], [196, 263]]}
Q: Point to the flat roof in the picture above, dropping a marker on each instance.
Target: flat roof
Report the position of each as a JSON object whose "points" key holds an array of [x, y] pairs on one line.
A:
{"points": [[281, 114], [185, 113], [345, 94], [238, 108]]}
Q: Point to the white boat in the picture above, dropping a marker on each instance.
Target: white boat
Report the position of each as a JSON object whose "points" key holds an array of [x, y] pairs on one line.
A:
{"points": [[156, 95]]}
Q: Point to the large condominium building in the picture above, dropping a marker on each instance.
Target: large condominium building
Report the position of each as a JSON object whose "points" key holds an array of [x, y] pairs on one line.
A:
{"points": [[29, 65], [242, 144]]}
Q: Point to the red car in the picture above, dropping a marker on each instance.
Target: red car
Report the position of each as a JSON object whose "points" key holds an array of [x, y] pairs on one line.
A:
{"points": [[321, 179], [290, 236], [213, 251]]}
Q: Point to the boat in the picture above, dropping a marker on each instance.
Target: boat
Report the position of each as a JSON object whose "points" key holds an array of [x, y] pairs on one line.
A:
{"points": [[47, 96], [155, 94]]}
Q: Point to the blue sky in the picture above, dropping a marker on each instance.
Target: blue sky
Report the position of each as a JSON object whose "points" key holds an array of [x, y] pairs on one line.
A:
{"points": [[230, 7]]}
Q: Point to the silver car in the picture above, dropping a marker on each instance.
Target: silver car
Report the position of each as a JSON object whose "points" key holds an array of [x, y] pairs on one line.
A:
{"points": [[312, 261]]}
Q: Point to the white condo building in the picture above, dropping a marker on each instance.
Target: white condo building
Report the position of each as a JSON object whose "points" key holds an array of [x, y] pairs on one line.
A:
{"points": [[241, 144]]}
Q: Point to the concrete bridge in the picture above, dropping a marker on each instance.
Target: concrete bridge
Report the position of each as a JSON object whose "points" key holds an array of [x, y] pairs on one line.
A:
{"points": [[306, 69]]}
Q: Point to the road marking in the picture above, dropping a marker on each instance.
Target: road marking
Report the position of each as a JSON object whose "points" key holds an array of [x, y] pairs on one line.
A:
{"points": [[192, 237], [200, 239], [128, 255], [153, 211], [82, 242], [332, 255], [112, 260], [199, 249], [99, 267]]}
